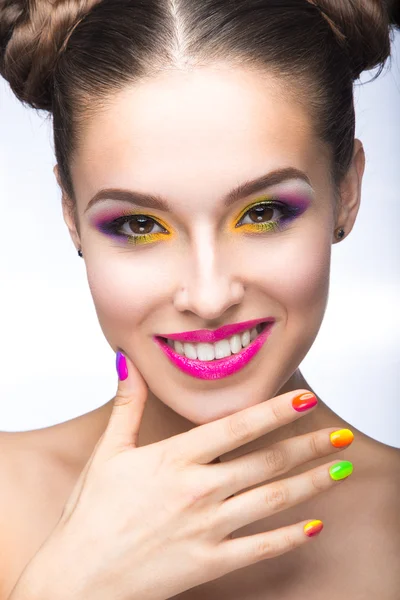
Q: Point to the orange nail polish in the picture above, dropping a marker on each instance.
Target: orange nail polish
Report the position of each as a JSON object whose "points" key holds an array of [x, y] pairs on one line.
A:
{"points": [[304, 401], [313, 527], [341, 437]]}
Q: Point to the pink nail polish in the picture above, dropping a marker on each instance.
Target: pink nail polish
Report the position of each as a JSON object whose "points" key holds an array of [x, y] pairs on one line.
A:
{"points": [[122, 368]]}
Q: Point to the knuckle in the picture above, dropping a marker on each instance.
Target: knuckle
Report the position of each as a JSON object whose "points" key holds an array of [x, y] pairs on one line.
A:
{"points": [[239, 429], [276, 497], [177, 458], [175, 454], [276, 459], [318, 480], [289, 542], [277, 412], [264, 547], [197, 490], [196, 493], [314, 440], [122, 398]]}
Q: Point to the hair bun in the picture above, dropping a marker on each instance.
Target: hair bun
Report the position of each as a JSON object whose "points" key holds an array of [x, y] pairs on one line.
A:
{"points": [[362, 27], [32, 36], [394, 12]]}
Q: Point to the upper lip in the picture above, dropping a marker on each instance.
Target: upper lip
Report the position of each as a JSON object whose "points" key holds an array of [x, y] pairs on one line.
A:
{"points": [[210, 336]]}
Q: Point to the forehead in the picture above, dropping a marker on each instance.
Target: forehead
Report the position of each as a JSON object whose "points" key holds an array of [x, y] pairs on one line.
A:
{"points": [[215, 125]]}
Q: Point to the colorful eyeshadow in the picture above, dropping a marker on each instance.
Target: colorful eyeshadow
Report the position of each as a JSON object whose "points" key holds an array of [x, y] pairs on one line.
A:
{"points": [[290, 205], [112, 222]]}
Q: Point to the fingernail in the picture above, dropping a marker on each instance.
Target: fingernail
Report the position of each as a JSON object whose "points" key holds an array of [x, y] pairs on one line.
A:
{"points": [[341, 437], [341, 470], [121, 366], [313, 527], [305, 401]]}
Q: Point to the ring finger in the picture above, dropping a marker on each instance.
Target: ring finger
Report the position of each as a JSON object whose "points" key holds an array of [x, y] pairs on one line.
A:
{"points": [[255, 504], [267, 463]]}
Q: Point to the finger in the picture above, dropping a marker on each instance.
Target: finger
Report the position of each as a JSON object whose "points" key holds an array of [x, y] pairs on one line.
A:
{"points": [[123, 427], [271, 498], [231, 432], [267, 463], [244, 551]]}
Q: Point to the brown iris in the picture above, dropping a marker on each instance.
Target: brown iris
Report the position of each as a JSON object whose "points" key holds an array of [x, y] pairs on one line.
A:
{"points": [[260, 212]]}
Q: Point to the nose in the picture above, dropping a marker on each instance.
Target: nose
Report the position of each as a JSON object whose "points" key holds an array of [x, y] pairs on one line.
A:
{"points": [[210, 284]]}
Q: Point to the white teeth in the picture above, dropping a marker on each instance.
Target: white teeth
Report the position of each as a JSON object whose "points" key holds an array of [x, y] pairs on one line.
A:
{"points": [[190, 350], [205, 351], [245, 338], [235, 343], [178, 347], [221, 349]]}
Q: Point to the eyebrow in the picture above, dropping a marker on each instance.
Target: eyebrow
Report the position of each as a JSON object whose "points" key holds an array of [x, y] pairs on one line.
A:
{"points": [[241, 191]]}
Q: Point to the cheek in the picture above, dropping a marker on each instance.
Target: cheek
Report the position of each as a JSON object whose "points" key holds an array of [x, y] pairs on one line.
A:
{"points": [[304, 275], [293, 272], [122, 290]]}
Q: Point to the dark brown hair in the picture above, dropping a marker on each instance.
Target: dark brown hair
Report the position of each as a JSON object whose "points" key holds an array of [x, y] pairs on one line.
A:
{"points": [[68, 57]]}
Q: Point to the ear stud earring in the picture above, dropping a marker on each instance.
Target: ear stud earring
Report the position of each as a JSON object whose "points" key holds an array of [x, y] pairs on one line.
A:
{"points": [[339, 233], [80, 253]]}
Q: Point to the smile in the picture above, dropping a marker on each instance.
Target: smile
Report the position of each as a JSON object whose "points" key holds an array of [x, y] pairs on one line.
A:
{"points": [[219, 359]]}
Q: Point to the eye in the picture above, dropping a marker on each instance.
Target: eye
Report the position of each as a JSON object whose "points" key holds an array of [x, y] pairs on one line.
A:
{"points": [[135, 226], [267, 213]]}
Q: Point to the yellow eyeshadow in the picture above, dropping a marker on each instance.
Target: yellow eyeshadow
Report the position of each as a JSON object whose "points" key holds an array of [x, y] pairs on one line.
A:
{"points": [[251, 227], [273, 226], [146, 238]]}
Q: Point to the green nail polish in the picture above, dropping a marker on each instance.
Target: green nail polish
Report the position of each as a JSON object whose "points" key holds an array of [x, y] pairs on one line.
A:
{"points": [[341, 470]]}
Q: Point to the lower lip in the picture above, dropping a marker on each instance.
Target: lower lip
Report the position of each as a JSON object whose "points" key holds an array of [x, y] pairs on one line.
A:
{"points": [[219, 368]]}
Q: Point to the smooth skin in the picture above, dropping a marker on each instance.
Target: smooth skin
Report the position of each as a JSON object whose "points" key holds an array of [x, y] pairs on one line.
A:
{"points": [[112, 536]]}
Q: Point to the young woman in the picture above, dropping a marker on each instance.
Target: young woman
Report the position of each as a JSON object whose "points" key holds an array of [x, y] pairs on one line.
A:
{"points": [[206, 156]]}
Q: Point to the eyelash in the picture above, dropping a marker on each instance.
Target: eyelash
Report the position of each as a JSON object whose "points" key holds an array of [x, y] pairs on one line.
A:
{"points": [[288, 212]]}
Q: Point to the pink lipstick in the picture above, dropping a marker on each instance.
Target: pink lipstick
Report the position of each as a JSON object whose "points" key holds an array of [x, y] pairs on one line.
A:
{"points": [[211, 336], [217, 368]]}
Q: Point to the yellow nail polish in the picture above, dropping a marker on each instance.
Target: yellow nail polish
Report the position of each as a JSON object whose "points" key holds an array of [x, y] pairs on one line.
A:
{"points": [[313, 527], [341, 437]]}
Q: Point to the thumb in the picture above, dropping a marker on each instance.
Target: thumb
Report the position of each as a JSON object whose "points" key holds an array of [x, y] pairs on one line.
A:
{"points": [[123, 427], [122, 430]]}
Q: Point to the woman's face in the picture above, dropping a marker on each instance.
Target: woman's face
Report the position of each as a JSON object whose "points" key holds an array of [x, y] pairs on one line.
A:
{"points": [[203, 263]]}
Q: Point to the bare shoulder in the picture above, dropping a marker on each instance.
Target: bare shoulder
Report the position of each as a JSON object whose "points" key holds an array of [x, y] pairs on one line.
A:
{"points": [[22, 454], [14, 453], [377, 472], [12, 492], [22, 468], [384, 459], [35, 482], [33, 468]]}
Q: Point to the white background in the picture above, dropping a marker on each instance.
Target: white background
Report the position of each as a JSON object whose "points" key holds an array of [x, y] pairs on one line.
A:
{"points": [[57, 365]]}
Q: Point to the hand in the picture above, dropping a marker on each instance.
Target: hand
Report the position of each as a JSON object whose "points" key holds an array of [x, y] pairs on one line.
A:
{"points": [[150, 522]]}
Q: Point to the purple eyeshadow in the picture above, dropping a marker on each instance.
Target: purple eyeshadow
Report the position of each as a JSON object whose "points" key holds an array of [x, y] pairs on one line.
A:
{"points": [[294, 201]]}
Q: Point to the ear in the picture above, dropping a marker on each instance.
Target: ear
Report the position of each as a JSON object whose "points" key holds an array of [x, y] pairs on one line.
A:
{"points": [[68, 212], [350, 190]]}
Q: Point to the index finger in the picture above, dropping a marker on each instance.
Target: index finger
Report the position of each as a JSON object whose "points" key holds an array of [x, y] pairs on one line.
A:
{"points": [[245, 426]]}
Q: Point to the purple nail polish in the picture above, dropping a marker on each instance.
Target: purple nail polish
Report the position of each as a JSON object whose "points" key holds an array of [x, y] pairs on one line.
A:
{"points": [[121, 366]]}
